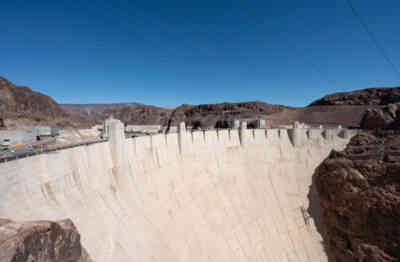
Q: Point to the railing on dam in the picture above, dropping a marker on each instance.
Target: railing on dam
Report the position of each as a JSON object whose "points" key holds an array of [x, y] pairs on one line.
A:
{"points": [[19, 155]]}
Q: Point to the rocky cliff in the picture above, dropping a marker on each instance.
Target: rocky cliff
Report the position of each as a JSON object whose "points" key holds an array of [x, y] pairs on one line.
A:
{"points": [[20, 105], [40, 241], [22, 102], [360, 193]]}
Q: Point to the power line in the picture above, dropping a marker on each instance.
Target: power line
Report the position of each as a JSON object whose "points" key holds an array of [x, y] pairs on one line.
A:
{"points": [[373, 38]]}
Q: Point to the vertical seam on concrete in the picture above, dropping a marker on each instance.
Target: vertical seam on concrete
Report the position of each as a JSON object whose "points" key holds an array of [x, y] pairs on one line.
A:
{"points": [[152, 224], [226, 215], [201, 212], [224, 208], [283, 215], [241, 225], [179, 137], [238, 226], [263, 198]]}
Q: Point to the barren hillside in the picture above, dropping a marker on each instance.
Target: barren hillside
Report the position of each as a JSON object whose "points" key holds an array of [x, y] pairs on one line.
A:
{"points": [[368, 96]]}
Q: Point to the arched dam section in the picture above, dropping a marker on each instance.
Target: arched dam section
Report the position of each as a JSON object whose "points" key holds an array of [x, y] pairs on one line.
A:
{"points": [[215, 196]]}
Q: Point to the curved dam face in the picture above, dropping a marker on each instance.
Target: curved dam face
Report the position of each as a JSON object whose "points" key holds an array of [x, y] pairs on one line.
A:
{"points": [[202, 196]]}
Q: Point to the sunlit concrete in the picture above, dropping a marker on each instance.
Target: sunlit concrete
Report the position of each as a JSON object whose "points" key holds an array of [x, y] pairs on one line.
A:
{"points": [[201, 196]]}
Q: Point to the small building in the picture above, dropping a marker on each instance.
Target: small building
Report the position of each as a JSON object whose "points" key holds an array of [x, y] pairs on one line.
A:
{"points": [[47, 131], [260, 123], [235, 123]]}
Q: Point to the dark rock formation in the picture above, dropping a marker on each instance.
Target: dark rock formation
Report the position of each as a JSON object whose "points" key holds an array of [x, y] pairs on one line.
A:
{"points": [[380, 117], [2, 124], [40, 241], [369, 96], [359, 192]]}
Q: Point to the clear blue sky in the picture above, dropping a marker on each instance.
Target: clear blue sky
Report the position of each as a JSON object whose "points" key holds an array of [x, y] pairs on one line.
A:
{"points": [[173, 52]]}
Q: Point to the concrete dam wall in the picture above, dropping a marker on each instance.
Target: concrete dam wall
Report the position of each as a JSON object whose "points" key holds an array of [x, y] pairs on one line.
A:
{"points": [[238, 195]]}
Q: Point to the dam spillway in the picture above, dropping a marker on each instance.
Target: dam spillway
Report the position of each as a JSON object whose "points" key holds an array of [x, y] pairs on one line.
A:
{"points": [[226, 195]]}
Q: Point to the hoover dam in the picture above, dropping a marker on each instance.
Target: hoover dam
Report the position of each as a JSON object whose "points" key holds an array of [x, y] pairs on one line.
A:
{"points": [[215, 196]]}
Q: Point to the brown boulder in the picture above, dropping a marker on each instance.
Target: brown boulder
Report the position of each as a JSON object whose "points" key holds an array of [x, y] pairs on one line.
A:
{"points": [[41, 241]]}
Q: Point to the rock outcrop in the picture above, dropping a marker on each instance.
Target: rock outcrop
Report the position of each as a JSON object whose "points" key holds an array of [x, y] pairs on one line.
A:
{"points": [[359, 192], [380, 117], [20, 101], [40, 241], [20, 105], [369, 96]]}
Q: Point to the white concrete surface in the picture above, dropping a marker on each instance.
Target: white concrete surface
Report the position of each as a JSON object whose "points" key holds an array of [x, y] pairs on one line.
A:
{"points": [[191, 197]]}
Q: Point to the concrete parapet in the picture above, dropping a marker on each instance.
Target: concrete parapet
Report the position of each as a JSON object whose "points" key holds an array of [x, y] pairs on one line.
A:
{"points": [[235, 124], [259, 136], [314, 133], [297, 136], [198, 138], [223, 136], [329, 134], [272, 134], [234, 137], [116, 139], [243, 133], [211, 137], [183, 137]]}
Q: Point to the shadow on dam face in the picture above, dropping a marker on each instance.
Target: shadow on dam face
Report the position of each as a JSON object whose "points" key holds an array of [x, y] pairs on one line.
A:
{"points": [[202, 196], [314, 210]]}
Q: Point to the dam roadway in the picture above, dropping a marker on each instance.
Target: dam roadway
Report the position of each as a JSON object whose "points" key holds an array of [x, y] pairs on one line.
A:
{"points": [[227, 195]]}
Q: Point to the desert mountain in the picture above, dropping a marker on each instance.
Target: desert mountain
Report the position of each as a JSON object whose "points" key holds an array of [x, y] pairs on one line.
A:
{"points": [[18, 103], [91, 109], [22, 102]]}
